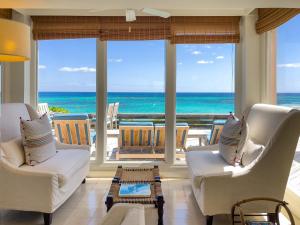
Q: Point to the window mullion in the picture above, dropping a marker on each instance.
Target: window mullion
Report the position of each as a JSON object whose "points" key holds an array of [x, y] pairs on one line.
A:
{"points": [[170, 101]]}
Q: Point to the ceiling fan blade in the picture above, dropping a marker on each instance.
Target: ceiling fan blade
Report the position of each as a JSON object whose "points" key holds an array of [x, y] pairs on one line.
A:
{"points": [[130, 15], [156, 12]]}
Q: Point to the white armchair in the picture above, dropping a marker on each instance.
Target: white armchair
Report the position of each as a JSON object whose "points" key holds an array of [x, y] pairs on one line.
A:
{"points": [[46, 186], [217, 185]]}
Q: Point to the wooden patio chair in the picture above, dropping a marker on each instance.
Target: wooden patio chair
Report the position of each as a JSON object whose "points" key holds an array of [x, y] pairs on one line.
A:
{"points": [[109, 115], [115, 115], [72, 128], [182, 130], [135, 140], [216, 131], [43, 108]]}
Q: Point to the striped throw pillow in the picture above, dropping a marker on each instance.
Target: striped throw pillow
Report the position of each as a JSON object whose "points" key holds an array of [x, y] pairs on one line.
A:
{"points": [[229, 144], [37, 139]]}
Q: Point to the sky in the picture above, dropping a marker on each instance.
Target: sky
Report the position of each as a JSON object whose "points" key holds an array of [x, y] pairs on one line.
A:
{"points": [[138, 66]]}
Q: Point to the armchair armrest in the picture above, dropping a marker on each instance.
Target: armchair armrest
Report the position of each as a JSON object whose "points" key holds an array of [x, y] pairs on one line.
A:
{"points": [[63, 146], [214, 147], [27, 190]]}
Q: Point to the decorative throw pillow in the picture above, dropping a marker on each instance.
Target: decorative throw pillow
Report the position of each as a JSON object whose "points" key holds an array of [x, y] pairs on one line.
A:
{"points": [[229, 144], [13, 151], [250, 152], [38, 140]]}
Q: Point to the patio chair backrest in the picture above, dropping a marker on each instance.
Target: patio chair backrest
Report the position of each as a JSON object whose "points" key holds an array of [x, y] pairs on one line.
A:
{"points": [[110, 110], [136, 135], [43, 108], [216, 132], [72, 129], [116, 110], [182, 130]]}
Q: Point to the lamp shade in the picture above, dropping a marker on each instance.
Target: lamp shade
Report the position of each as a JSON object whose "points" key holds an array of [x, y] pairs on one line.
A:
{"points": [[14, 41]]}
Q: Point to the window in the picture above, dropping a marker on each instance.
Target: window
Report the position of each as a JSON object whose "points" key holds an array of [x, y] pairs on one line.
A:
{"points": [[288, 63], [135, 100], [1, 81], [205, 91], [67, 83]]}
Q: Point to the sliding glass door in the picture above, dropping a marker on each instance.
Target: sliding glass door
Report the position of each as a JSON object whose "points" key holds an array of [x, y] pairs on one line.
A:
{"points": [[67, 89], [288, 63], [135, 101], [205, 92]]}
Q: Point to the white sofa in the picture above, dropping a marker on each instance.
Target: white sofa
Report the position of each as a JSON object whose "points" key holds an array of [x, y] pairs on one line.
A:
{"points": [[46, 186], [217, 185]]}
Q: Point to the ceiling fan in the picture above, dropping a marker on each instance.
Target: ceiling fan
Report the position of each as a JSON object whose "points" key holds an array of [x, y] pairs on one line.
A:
{"points": [[131, 13]]}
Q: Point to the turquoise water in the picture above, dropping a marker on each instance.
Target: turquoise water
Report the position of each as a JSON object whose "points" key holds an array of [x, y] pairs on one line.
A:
{"points": [[85, 102]]}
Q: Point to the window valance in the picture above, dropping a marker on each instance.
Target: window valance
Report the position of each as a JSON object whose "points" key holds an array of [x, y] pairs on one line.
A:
{"points": [[208, 29], [177, 29], [271, 18]]}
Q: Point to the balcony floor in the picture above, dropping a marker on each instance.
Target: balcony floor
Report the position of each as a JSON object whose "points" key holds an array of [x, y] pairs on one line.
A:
{"points": [[193, 139]]}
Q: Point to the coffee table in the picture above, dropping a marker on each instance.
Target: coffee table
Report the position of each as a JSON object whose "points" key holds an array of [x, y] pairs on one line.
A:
{"points": [[137, 175]]}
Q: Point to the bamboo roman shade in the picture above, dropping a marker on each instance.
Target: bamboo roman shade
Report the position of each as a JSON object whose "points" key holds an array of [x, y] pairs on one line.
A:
{"points": [[271, 18], [177, 29], [208, 29], [6, 13], [65, 27], [144, 28]]}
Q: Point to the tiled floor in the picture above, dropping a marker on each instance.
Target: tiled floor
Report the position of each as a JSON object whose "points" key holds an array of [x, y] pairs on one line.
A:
{"points": [[86, 207]]}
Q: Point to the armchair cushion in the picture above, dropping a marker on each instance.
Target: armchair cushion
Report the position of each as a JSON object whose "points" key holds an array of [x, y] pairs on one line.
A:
{"points": [[230, 139], [38, 141], [207, 164], [65, 164], [13, 151], [250, 152]]}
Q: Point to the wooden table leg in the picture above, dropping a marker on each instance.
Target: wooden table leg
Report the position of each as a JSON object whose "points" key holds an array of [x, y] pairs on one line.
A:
{"points": [[109, 202], [160, 209]]}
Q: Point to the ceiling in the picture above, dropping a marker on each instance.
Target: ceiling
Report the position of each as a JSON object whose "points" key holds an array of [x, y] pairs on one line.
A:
{"points": [[116, 7]]}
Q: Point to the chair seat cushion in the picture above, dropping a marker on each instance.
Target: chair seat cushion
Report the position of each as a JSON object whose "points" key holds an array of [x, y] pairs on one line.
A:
{"points": [[208, 164], [65, 163]]}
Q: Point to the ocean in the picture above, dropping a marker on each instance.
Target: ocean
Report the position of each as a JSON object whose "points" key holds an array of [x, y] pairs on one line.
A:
{"points": [[85, 102]]}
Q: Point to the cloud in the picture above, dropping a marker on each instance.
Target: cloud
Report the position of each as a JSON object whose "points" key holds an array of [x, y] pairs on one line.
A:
{"points": [[220, 57], [84, 69], [180, 63], [289, 65], [207, 46], [205, 62], [196, 52], [116, 60], [40, 67]]}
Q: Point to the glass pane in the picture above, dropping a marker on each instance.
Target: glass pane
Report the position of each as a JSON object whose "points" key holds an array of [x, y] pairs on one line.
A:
{"points": [[205, 92], [67, 89], [288, 63], [136, 100]]}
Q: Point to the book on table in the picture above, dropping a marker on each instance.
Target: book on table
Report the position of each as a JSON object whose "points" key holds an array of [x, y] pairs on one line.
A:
{"points": [[135, 190], [259, 223]]}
